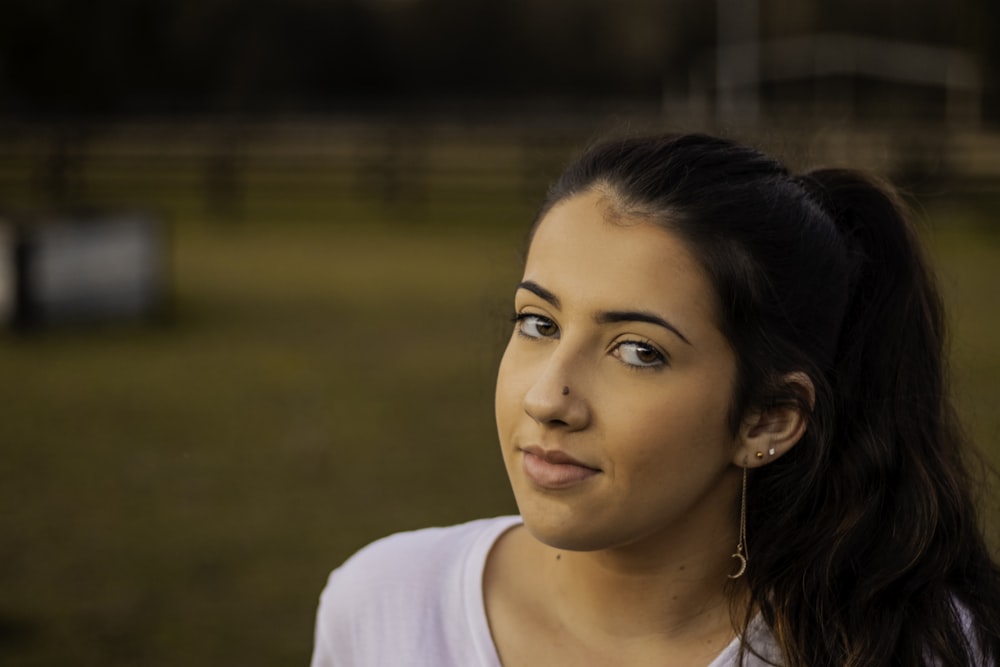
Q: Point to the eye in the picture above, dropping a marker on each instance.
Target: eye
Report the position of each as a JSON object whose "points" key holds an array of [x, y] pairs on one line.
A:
{"points": [[640, 355], [535, 326]]}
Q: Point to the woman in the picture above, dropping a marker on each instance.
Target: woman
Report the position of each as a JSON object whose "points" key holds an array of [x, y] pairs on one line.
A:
{"points": [[725, 421]]}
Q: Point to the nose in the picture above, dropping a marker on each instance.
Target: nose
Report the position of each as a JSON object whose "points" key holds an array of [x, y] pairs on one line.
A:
{"points": [[558, 399]]}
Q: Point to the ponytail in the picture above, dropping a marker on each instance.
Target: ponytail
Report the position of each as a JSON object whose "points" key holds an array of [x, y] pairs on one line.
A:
{"points": [[895, 532]]}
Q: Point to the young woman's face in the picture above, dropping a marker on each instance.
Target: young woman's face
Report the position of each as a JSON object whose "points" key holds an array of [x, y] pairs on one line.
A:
{"points": [[613, 394]]}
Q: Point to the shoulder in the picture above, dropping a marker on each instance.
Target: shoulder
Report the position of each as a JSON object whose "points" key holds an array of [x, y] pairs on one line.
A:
{"points": [[757, 648], [410, 558], [411, 590]]}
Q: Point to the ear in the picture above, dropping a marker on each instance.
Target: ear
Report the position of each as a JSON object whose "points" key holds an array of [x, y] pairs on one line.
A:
{"points": [[768, 434]]}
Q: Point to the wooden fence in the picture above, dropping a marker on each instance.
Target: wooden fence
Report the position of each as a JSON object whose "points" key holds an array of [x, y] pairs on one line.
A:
{"points": [[227, 169]]}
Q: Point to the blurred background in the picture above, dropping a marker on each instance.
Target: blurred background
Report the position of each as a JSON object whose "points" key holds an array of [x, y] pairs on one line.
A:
{"points": [[256, 260]]}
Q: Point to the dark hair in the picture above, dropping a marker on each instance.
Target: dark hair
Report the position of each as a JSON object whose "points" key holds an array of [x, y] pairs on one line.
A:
{"points": [[864, 540]]}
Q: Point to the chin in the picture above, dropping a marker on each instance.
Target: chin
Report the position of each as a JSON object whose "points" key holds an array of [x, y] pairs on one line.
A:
{"points": [[566, 530]]}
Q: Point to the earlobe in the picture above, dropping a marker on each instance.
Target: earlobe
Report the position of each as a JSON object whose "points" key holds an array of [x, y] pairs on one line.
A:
{"points": [[768, 434]]}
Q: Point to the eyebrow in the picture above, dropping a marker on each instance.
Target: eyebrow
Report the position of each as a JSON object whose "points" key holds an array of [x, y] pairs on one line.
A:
{"points": [[540, 291], [607, 317]]}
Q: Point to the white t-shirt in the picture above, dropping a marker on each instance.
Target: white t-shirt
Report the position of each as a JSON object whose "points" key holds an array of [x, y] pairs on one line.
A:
{"points": [[416, 600]]}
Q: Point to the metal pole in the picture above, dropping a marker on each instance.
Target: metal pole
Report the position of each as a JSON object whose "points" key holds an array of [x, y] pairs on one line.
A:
{"points": [[737, 67]]}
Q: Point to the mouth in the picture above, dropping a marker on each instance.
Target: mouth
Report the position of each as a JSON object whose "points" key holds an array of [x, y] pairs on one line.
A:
{"points": [[554, 469]]}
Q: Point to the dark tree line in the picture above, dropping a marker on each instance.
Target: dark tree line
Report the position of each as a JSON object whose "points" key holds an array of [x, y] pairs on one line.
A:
{"points": [[132, 56]]}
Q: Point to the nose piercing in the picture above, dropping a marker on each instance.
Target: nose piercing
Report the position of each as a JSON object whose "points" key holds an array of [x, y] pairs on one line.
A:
{"points": [[565, 391]]}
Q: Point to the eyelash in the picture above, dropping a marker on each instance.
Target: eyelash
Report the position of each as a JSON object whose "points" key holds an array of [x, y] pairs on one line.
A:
{"points": [[519, 318], [662, 360]]}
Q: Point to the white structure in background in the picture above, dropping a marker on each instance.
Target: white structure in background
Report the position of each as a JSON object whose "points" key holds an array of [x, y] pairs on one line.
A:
{"points": [[81, 268], [743, 63]]}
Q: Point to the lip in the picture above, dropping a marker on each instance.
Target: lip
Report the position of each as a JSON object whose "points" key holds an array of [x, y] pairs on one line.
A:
{"points": [[553, 468]]}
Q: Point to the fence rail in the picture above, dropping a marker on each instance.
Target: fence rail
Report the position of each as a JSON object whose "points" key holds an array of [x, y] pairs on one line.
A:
{"points": [[223, 167]]}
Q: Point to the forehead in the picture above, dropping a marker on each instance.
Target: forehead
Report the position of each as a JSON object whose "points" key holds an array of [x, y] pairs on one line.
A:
{"points": [[586, 248]]}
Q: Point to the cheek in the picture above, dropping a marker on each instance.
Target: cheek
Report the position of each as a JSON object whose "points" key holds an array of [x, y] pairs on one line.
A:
{"points": [[677, 429], [505, 398]]}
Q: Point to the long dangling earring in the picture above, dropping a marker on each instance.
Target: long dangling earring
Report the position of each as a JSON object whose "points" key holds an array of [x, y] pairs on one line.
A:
{"points": [[741, 547]]}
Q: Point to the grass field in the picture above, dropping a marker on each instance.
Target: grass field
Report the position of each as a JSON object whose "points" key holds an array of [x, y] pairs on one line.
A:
{"points": [[176, 493]]}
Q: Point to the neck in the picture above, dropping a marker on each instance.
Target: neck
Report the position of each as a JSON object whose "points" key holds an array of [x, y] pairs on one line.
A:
{"points": [[670, 591]]}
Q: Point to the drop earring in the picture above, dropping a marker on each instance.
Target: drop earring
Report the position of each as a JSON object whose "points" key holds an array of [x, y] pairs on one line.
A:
{"points": [[741, 547]]}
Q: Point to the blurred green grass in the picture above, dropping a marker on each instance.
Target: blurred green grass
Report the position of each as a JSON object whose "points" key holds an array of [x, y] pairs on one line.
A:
{"points": [[177, 493]]}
